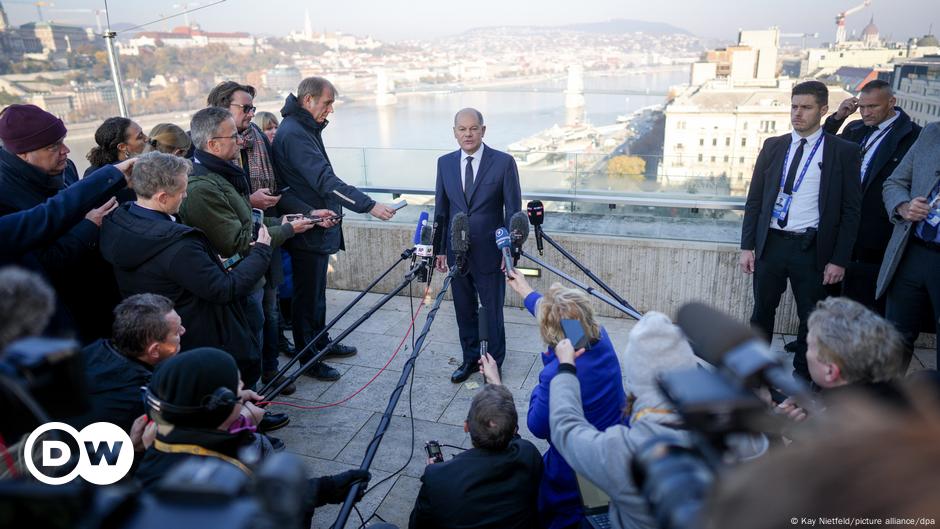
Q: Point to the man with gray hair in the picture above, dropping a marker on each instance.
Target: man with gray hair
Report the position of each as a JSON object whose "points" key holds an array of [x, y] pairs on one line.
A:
{"points": [[482, 183], [301, 163], [152, 253]]}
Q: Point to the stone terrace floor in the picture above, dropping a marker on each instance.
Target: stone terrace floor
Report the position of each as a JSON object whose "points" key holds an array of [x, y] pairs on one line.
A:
{"points": [[334, 439]]}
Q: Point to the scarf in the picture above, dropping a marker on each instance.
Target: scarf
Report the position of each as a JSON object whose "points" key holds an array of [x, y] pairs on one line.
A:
{"points": [[255, 160], [226, 170]]}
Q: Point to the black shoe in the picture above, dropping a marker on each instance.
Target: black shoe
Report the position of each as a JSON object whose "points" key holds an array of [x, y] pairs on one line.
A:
{"points": [[267, 376], [321, 371], [287, 350], [340, 351], [463, 372], [273, 421], [791, 347]]}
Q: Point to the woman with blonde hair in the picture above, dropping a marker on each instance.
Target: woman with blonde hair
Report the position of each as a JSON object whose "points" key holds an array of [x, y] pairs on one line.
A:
{"points": [[268, 123], [170, 139], [602, 390]]}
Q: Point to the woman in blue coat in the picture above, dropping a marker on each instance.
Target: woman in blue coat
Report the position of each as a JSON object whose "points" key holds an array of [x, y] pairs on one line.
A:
{"points": [[601, 383]]}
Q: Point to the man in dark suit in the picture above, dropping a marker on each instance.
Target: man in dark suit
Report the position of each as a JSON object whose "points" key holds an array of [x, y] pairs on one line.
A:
{"points": [[483, 183], [884, 134], [495, 484], [801, 215]]}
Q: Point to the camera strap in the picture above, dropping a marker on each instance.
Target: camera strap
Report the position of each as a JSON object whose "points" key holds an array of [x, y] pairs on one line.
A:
{"points": [[647, 411], [195, 450]]}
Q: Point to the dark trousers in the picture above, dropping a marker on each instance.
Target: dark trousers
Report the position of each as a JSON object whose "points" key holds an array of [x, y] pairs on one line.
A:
{"points": [[255, 312], [490, 290], [793, 258], [861, 276], [269, 345], [309, 302], [915, 288]]}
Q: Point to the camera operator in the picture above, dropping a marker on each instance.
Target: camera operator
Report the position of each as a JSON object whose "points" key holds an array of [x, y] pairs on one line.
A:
{"points": [[493, 485], [603, 456], [147, 331], [850, 348], [559, 498], [196, 401]]}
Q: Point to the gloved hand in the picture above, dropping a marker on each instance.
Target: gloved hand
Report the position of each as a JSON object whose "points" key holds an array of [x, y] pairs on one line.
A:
{"points": [[333, 489]]}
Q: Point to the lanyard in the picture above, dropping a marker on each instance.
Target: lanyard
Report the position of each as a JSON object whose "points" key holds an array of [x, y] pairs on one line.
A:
{"points": [[799, 180], [168, 448], [866, 146]]}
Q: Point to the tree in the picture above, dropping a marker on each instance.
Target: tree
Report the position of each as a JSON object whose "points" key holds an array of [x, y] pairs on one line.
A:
{"points": [[626, 172]]}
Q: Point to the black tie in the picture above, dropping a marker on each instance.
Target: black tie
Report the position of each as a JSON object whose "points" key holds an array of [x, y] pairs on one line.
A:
{"points": [[791, 178], [468, 178]]}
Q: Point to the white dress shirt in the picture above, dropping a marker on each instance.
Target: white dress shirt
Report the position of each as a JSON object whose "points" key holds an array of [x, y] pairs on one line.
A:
{"points": [[475, 163], [874, 140], [804, 209]]}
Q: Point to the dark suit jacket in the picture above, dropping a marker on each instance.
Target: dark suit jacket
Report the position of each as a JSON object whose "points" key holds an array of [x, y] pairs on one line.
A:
{"points": [[839, 198], [874, 230], [481, 489], [495, 197]]}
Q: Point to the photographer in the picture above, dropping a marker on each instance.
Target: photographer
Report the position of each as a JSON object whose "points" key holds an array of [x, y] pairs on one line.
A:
{"points": [[559, 498], [197, 404], [850, 348], [603, 456], [493, 485]]}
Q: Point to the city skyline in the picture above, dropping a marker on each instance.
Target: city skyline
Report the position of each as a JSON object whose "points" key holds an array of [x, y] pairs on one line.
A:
{"points": [[719, 19]]}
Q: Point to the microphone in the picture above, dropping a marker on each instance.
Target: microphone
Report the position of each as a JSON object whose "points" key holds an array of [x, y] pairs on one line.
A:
{"points": [[422, 220], [518, 232], [460, 240], [536, 212], [425, 251], [503, 242], [723, 341], [437, 240], [483, 330]]}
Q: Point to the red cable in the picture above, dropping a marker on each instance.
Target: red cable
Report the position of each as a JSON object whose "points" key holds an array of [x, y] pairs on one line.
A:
{"points": [[358, 391], [7, 458]]}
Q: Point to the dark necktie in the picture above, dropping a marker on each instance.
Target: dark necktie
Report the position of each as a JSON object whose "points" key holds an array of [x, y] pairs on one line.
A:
{"points": [[791, 178], [468, 178]]}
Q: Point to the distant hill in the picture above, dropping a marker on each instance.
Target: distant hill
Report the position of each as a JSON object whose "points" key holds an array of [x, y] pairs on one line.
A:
{"points": [[623, 25]]}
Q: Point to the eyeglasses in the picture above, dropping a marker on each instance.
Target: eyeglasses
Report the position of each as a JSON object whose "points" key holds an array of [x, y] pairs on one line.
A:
{"points": [[233, 137], [247, 108]]}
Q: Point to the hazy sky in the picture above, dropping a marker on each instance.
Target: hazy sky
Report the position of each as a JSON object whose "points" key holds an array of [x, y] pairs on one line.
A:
{"points": [[434, 18]]}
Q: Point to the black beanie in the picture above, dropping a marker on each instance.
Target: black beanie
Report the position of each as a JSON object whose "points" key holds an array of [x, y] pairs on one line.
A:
{"points": [[191, 379]]}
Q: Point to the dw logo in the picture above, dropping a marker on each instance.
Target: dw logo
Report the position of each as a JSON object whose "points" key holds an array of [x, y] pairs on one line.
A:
{"points": [[105, 453]]}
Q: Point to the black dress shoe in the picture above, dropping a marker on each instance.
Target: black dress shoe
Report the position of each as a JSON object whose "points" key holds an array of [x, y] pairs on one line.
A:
{"points": [[273, 421], [791, 346], [321, 371], [269, 375], [340, 351], [463, 372]]}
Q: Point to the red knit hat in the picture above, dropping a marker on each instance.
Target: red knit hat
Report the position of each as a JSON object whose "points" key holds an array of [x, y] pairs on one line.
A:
{"points": [[25, 128]]}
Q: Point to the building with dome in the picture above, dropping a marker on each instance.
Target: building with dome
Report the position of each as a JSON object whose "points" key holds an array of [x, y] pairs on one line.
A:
{"points": [[870, 37]]}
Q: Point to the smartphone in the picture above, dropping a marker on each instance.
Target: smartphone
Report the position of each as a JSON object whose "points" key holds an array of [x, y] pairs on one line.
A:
{"points": [[574, 331], [433, 449], [400, 204], [333, 217], [281, 191], [256, 217]]}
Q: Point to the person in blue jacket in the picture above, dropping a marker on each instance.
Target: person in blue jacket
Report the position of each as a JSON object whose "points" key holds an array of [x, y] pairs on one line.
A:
{"points": [[602, 391]]}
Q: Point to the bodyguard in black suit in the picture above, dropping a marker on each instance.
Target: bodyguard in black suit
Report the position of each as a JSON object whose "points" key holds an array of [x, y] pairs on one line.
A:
{"points": [[494, 485], [482, 183], [884, 135], [801, 215]]}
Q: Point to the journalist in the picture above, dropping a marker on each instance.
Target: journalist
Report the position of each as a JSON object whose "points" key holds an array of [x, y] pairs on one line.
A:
{"points": [[559, 499], [601, 455], [495, 484]]}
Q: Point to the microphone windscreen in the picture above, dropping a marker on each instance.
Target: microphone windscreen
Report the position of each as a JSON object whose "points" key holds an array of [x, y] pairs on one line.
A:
{"points": [[502, 238], [712, 332], [519, 228], [422, 220], [438, 235], [460, 233], [426, 235], [536, 212]]}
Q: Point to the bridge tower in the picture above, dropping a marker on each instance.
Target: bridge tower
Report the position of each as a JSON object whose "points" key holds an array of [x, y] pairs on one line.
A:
{"points": [[574, 94], [384, 89]]}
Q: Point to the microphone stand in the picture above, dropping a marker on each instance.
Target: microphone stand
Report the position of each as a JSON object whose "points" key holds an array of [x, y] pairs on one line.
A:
{"points": [[405, 255], [483, 331], [587, 272], [373, 447], [626, 309], [409, 277]]}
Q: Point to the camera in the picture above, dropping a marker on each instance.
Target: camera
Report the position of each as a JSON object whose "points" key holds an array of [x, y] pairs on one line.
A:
{"points": [[433, 448]]}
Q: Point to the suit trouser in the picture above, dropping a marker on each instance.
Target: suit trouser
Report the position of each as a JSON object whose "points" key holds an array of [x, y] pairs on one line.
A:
{"points": [[309, 301], [859, 284], [269, 345], [491, 290], [786, 257], [914, 289]]}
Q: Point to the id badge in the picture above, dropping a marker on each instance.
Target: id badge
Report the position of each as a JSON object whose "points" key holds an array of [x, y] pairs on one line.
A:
{"points": [[933, 218], [782, 205]]}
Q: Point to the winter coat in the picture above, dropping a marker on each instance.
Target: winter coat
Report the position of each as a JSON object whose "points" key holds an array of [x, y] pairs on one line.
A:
{"points": [[112, 383]]}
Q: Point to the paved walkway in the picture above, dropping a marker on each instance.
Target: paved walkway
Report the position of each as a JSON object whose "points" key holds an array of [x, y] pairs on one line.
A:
{"points": [[334, 439]]}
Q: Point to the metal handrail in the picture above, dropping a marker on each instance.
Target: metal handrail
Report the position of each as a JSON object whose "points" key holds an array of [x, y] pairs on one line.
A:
{"points": [[632, 199]]}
